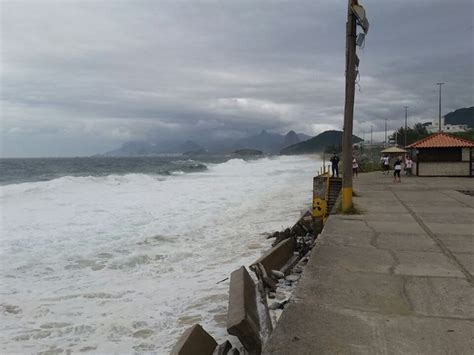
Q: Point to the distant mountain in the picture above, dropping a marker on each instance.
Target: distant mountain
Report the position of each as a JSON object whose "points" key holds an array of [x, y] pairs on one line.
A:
{"points": [[317, 144], [290, 139], [303, 137], [187, 146], [264, 141], [133, 149], [247, 152], [270, 142], [461, 116], [145, 148]]}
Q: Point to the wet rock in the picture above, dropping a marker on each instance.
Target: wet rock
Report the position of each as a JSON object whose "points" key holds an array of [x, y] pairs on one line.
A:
{"points": [[274, 305], [292, 278], [278, 274], [298, 270], [271, 295], [298, 230], [278, 305]]}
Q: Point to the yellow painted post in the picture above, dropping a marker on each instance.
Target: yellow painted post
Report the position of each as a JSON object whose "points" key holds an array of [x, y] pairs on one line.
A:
{"points": [[346, 198]]}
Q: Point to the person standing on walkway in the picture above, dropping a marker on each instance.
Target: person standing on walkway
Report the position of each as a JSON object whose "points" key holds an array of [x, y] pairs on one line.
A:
{"points": [[355, 166], [386, 164], [408, 165], [397, 168], [335, 165]]}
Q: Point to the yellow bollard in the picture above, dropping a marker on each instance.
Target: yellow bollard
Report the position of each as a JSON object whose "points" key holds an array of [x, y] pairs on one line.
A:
{"points": [[346, 199]]}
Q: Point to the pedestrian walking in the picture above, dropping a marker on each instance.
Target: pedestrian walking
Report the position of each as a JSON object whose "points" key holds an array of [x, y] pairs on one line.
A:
{"points": [[335, 165], [355, 167], [386, 164], [408, 166], [397, 168]]}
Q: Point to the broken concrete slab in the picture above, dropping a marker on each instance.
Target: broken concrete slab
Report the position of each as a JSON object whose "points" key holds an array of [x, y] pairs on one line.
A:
{"points": [[243, 319], [277, 257], [195, 341]]}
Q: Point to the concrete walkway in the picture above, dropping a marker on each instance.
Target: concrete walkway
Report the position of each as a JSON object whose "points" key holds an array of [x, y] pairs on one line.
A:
{"points": [[397, 279]]}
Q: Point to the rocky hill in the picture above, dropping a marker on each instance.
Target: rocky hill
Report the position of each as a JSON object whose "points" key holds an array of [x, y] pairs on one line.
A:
{"points": [[317, 144], [461, 116]]}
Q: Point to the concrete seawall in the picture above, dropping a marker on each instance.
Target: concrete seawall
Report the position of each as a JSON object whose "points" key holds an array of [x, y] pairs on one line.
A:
{"points": [[397, 279]]}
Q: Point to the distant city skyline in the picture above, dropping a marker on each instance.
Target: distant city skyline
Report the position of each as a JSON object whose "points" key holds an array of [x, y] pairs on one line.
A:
{"points": [[80, 78]]}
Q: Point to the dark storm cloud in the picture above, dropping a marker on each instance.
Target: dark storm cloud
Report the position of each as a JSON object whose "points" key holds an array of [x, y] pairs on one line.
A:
{"points": [[82, 77]]}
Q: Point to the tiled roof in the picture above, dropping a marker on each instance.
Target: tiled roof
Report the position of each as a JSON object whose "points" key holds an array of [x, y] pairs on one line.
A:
{"points": [[442, 140]]}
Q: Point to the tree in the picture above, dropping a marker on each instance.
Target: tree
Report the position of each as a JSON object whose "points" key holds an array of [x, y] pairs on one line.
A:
{"points": [[415, 133], [469, 135]]}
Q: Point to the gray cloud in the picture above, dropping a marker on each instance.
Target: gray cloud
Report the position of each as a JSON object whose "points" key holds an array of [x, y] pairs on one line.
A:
{"points": [[82, 77]]}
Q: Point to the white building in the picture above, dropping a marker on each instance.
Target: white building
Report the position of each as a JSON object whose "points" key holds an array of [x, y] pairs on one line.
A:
{"points": [[449, 128]]}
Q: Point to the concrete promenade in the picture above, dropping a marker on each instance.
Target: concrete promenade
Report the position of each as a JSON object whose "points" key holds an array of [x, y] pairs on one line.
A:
{"points": [[397, 279]]}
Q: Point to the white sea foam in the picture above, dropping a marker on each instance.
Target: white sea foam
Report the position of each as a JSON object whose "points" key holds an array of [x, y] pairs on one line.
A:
{"points": [[123, 264]]}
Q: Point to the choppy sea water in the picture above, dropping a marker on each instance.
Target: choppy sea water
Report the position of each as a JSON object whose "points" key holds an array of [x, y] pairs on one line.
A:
{"points": [[124, 263]]}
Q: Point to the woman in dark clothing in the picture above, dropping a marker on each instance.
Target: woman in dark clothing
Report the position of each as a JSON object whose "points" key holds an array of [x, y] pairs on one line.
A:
{"points": [[397, 168]]}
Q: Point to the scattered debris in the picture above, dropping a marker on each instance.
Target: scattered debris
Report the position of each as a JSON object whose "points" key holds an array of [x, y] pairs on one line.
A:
{"points": [[218, 282]]}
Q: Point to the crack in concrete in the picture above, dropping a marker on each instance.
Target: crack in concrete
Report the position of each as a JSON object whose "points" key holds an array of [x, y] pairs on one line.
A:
{"points": [[375, 235], [437, 241], [396, 261], [404, 294]]}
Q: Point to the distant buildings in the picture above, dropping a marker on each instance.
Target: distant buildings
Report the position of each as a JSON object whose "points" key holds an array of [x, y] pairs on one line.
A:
{"points": [[433, 127]]}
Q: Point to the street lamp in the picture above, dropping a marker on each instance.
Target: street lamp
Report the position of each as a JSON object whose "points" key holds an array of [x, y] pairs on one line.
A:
{"points": [[439, 111], [406, 125]]}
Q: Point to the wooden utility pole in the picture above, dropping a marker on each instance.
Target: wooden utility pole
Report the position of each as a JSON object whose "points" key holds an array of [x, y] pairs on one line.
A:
{"points": [[349, 107]]}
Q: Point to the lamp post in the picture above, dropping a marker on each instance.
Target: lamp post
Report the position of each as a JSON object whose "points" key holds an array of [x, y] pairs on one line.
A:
{"points": [[406, 125], [439, 110]]}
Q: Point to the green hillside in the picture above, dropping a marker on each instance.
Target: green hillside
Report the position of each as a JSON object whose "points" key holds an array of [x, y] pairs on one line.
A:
{"points": [[317, 144]]}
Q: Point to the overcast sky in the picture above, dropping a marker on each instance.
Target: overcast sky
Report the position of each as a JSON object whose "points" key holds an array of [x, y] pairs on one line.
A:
{"points": [[82, 77]]}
